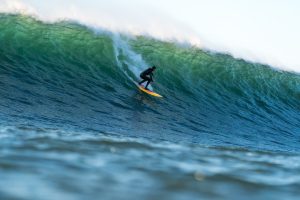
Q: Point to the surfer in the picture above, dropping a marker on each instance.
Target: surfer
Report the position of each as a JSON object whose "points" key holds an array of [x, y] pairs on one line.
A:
{"points": [[147, 75]]}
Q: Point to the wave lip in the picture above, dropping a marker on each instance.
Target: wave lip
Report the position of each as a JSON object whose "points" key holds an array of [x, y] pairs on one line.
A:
{"points": [[118, 16]]}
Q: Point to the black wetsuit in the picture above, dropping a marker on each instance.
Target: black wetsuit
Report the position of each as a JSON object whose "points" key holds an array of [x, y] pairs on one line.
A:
{"points": [[146, 76]]}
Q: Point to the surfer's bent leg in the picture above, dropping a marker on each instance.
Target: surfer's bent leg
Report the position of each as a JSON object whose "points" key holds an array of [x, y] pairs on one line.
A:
{"points": [[142, 81], [149, 80], [145, 78]]}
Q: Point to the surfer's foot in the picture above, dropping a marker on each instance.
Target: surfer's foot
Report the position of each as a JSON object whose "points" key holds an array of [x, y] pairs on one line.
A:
{"points": [[146, 88]]}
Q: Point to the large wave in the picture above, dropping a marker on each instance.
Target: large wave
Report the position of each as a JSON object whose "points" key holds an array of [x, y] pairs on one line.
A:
{"points": [[272, 44], [67, 74]]}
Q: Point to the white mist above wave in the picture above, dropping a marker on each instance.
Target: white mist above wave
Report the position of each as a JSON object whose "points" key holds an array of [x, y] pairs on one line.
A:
{"points": [[144, 18], [114, 15]]}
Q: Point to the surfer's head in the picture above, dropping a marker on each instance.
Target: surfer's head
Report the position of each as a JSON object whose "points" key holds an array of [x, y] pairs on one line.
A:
{"points": [[153, 67]]}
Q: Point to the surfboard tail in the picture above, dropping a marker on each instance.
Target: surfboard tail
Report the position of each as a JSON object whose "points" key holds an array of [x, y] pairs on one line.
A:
{"points": [[142, 88]]}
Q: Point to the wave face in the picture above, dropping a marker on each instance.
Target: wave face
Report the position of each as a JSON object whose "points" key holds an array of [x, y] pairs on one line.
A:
{"points": [[67, 74], [72, 119]]}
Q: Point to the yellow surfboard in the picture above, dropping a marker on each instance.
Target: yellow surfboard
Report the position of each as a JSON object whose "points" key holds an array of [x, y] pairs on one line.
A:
{"points": [[148, 91]]}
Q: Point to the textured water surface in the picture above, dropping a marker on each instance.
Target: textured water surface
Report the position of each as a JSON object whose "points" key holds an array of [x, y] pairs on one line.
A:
{"points": [[74, 125]]}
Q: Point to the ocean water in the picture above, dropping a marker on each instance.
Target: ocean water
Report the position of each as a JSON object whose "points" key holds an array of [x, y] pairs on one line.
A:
{"points": [[73, 124]]}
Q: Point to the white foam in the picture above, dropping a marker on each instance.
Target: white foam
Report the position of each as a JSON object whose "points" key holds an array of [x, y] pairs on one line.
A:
{"points": [[134, 61], [118, 16]]}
